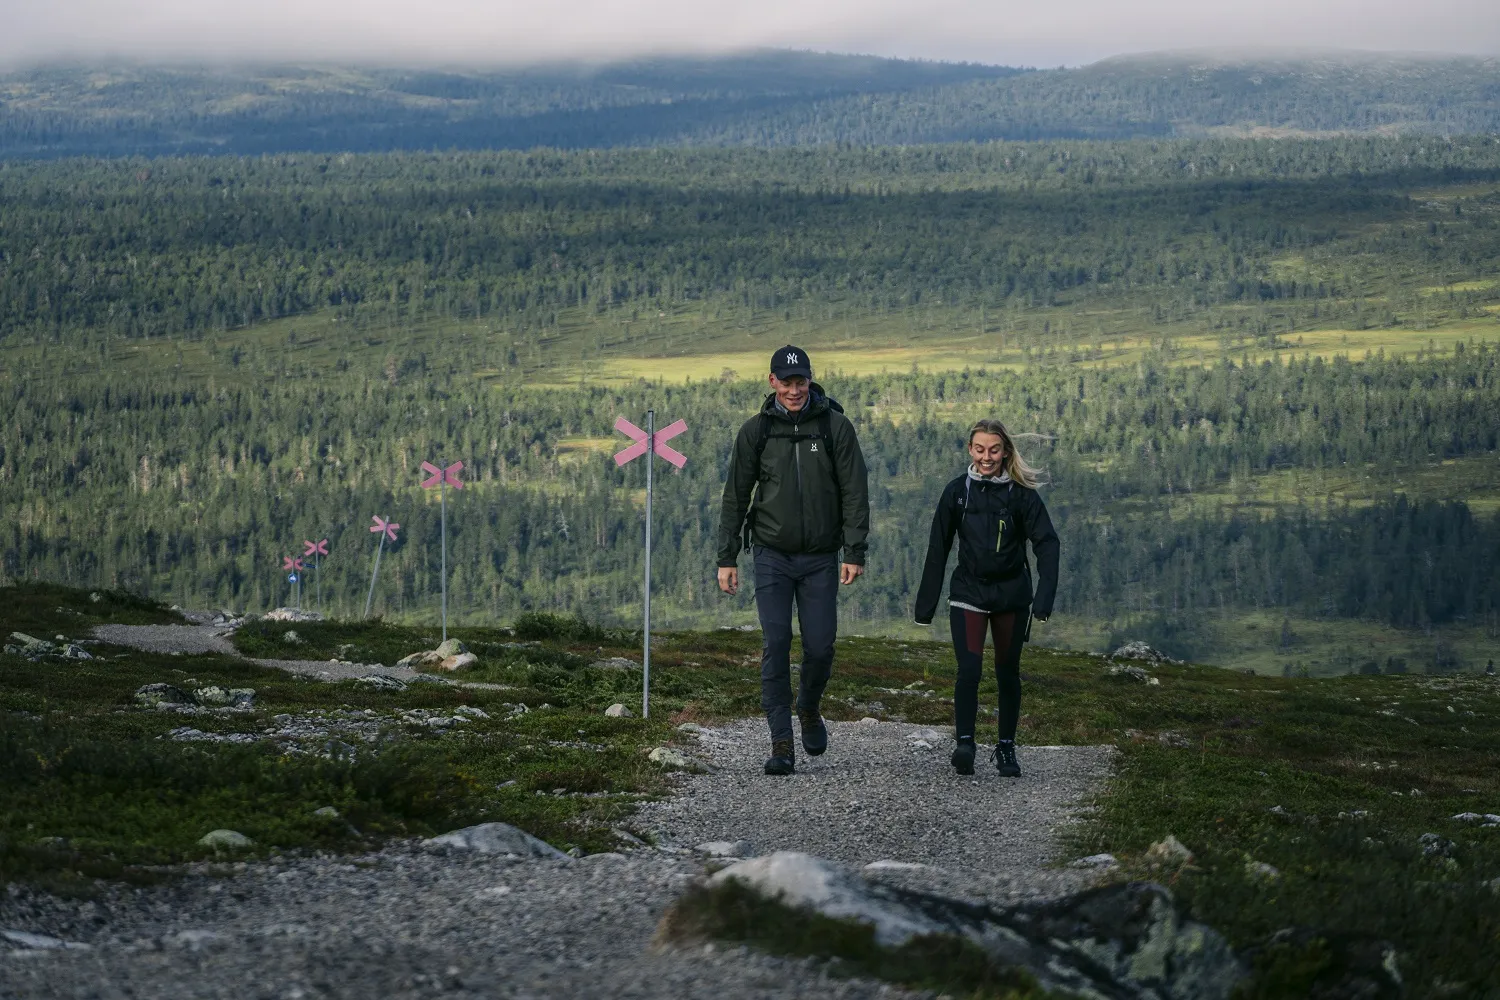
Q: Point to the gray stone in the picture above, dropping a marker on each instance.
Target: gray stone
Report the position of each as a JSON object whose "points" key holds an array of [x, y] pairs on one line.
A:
{"points": [[327, 812], [292, 615], [1259, 871], [618, 711], [153, 695], [930, 736], [1120, 941], [690, 727], [494, 838], [215, 696], [452, 647], [225, 840], [616, 663], [1168, 853], [1435, 846], [1095, 861], [888, 865], [726, 849], [291, 638], [471, 712]]}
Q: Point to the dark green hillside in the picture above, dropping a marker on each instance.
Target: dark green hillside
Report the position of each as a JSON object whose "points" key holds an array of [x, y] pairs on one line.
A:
{"points": [[770, 98]]}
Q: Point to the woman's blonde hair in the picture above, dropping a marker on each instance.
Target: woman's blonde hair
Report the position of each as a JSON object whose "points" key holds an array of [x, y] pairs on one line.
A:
{"points": [[1021, 473]]}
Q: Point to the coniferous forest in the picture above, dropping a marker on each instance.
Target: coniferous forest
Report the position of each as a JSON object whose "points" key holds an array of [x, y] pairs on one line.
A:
{"points": [[206, 360]]}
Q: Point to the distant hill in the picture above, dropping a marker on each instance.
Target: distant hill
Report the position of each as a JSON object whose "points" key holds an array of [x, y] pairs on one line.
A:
{"points": [[769, 98]]}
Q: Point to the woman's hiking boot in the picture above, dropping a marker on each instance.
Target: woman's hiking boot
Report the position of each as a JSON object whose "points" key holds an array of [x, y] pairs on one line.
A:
{"points": [[1005, 759], [814, 732], [782, 760], [963, 757]]}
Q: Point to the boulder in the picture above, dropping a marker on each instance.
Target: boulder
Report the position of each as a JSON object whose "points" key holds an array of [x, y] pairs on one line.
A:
{"points": [[1130, 672], [291, 638], [154, 695], [451, 647], [494, 838], [457, 661], [1119, 941], [618, 711], [691, 728], [225, 840], [471, 712], [292, 615], [1168, 853], [616, 663]]}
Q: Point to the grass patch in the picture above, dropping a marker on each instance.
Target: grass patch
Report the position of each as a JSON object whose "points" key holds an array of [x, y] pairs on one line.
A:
{"points": [[45, 610], [735, 912], [1332, 781]]}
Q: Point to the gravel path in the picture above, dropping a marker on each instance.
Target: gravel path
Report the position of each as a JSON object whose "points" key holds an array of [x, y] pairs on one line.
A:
{"points": [[874, 796], [406, 923]]}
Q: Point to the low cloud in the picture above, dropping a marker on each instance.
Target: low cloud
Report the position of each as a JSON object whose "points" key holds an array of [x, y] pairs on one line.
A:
{"points": [[506, 32]]}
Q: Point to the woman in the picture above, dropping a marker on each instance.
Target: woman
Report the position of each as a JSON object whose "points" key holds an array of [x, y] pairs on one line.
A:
{"points": [[993, 508]]}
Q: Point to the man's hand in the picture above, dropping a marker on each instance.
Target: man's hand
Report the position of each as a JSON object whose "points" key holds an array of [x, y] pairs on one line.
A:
{"points": [[729, 580], [848, 572]]}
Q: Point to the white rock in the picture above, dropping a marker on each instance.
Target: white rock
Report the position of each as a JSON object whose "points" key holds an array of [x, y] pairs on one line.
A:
{"points": [[726, 849], [471, 712], [1259, 871], [1095, 861], [605, 856], [327, 812], [1170, 852], [458, 661], [887, 865], [39, 942], [1468, 817], [690, 727], [804, 881], [619, 711], [225, 839], [667, 757], [927, 735], [920, 745], [453, 647], [616, 663], [869, 721], [494, 838], [381, 682]]}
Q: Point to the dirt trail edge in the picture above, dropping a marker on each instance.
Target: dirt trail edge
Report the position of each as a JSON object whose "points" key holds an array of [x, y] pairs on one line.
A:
{"points": [[405, 922]]}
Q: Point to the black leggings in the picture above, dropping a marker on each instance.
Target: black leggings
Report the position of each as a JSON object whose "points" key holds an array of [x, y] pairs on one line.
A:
{"points": [[969, 628]]}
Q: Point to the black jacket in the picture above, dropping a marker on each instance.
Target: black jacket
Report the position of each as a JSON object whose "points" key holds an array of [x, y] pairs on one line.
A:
{"points": [[809, 501], [993, 521]]}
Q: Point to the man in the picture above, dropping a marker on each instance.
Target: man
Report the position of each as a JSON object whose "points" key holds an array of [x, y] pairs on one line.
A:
{"points": [[800, 460]]}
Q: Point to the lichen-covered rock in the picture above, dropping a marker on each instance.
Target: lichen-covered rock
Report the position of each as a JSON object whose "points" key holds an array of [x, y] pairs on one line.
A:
{"points": [[225, 840], [380, 682], [214, 696], [670, 759], [618, 711], [451, 647], [154, 695], [1138, 650]]}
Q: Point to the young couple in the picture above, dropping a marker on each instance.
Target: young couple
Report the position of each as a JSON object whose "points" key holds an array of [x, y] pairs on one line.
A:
{"points": [[797, 496]]}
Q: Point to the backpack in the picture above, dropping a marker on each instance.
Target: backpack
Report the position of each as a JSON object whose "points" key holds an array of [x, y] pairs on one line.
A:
{"points": [[764, 431]]}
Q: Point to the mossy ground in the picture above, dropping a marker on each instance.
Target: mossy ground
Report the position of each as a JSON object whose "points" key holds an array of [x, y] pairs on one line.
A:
{"points": [[1359, 766]]}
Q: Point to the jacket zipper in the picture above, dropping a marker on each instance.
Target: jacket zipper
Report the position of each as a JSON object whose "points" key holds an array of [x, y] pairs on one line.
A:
{"points": [[801, 500], [999, 533]]}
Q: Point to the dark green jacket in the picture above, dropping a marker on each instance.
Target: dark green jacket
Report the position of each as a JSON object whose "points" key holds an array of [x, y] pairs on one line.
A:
{"points": [[808, 502]]}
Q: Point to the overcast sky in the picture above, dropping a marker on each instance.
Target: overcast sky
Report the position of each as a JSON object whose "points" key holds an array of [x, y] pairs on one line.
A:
{"points": [[482, 32]]}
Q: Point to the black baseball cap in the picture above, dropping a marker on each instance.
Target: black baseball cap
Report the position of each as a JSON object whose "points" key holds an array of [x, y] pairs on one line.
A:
{"points": [[791, 360]]}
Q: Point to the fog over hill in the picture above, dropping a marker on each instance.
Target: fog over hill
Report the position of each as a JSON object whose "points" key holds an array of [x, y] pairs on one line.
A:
{"points": [[762, 98]]}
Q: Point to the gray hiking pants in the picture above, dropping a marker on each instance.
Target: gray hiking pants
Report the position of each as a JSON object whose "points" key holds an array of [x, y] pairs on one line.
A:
{"points": [[811, 580]]}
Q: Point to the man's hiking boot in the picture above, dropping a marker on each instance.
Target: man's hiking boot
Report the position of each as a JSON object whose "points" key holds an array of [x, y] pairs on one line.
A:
{"points": [[782, 760], [814, 732], [963, 757], [1005, 760]]}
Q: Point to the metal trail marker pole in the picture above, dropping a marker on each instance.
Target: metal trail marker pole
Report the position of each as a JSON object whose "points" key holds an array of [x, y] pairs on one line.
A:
{"points": [[292, 566], [316, 549], [385, 529], [650, 443], [442, 479]]}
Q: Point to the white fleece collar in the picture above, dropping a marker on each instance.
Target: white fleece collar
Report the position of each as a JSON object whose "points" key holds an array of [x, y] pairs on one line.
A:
{"points": [[1001, 479]]}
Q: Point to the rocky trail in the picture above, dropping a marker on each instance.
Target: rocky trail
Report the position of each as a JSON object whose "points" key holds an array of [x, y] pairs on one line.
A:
{"points": [[413, 921]]}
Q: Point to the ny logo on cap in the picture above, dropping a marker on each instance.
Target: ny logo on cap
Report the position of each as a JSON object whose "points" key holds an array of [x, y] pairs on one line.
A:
{"points": [[791, 357]]}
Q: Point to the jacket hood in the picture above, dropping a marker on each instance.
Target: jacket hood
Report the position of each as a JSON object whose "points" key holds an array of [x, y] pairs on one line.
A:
{"points": [[817, 401]]}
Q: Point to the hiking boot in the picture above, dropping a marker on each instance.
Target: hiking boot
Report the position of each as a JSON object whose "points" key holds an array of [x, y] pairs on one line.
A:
{"points": [[782, 760], [1005, 760], [814, 732], [963, 757]]}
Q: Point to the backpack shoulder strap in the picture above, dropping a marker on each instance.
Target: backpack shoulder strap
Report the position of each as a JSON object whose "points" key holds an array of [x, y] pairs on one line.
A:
{"points": [[762, 435]]}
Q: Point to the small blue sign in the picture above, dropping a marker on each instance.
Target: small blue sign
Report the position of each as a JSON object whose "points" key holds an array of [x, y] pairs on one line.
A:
{"points": [[291, 578]]}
